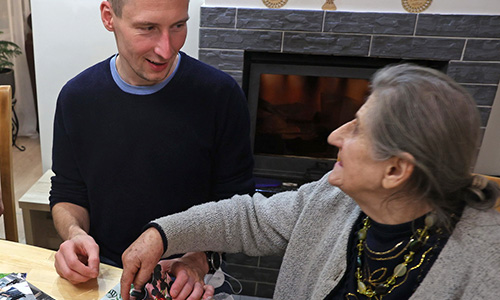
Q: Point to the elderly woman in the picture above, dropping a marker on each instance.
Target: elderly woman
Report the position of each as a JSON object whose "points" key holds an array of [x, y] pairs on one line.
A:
{"points": [[399, 217]]}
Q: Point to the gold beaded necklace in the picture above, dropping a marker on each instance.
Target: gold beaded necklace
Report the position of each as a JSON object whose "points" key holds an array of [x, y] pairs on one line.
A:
{"points": [[417, 240]]}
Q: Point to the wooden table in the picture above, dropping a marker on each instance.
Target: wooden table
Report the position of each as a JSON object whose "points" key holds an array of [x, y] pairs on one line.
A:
{"points": [[38, 263]]}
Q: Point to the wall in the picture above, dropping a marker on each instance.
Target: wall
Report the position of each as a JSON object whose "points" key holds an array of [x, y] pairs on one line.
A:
{"points": [[489, 156], [13, 14], [486, 7], [68, 37]]}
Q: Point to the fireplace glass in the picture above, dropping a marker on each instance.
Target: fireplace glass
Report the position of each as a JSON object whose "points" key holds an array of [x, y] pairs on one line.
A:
{"points": [[295, 102]]}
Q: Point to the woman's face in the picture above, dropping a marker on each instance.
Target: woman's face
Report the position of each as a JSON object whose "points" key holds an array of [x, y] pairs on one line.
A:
{"points": [[356, 172]]}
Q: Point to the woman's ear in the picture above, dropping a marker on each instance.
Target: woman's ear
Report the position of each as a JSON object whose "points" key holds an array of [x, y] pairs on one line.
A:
{"points": [[398, 171], [107, 15]]}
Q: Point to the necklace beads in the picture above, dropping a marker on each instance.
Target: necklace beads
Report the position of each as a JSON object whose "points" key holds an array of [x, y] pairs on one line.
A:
{"points": [[415, 243]]}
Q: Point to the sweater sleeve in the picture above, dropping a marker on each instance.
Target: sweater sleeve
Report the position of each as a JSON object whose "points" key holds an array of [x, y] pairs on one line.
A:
{"points": [[254, 225], [67, 184], [233, 159]]}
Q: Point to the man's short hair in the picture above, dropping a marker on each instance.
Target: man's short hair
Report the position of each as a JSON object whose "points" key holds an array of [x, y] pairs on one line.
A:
{"points": [[117, 6]]}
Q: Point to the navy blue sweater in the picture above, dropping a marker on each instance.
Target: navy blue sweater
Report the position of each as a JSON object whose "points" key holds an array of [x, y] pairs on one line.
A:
{"points": [[129, 159]]}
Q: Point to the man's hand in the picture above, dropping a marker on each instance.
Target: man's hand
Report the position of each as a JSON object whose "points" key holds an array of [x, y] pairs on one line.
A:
{"points": [[189, 272], [139, 261], [77, 259]]}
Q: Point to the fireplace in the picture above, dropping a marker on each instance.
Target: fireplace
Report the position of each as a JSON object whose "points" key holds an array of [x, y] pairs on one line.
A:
{"points": [[297, 100], [468, 43], [466, 47]]}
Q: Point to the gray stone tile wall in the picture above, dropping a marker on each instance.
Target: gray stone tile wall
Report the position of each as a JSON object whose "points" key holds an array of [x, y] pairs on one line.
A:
{"points": [[370, 23], [325, 43], [417, 47], [467, 26], [296, 20], [257, 275], [469, 43]]}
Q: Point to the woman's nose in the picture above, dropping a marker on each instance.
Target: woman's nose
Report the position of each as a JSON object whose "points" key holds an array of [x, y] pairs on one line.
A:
{"points": [[336, 137]]}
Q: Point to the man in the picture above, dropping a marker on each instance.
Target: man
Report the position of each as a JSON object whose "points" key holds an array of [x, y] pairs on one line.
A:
{"points": [[143, 134]]}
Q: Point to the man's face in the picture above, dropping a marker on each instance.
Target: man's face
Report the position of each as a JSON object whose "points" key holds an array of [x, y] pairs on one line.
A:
{"points": [[149, 34]]}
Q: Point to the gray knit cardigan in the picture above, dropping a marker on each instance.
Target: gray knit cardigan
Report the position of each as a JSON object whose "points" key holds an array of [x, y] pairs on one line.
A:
{"points": [[311, 227]]}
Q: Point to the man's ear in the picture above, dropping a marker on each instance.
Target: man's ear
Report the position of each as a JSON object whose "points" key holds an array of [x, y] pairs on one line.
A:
{"points": [[398, 170], [107, 15]]}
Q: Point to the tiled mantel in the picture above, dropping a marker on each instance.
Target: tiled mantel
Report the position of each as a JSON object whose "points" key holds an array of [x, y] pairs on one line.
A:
{"points": [[470, 44]]}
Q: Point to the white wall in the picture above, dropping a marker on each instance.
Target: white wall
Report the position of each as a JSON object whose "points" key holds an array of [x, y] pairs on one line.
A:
{"points": [[488, 161], [68, 37]]}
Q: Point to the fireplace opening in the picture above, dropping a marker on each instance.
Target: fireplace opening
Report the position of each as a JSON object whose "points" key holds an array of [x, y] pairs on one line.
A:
{"points": [[296, 101]]}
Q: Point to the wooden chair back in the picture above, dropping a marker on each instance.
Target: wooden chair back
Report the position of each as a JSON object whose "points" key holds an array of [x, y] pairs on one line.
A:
{"points": [[6, 170]]}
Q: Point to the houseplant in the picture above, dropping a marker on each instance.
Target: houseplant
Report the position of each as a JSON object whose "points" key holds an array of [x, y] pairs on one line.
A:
{"points": [[8, 50]]}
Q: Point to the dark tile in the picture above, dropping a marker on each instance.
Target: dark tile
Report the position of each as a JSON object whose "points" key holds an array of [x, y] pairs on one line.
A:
{"points": [[325, 43], [240, 39], [265, 290], [247, 288], [458, 25], [252, 273], [483, 94], [280, 19], [369, 23], [482, 50], [242, 259], [421, 48], [271, 262], [484, 111], [470, 72], [222, 60], [219, 17]]}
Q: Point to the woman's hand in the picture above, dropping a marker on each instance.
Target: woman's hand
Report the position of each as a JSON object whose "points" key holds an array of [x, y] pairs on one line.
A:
{"points": [[139, 261], [189, 272]]}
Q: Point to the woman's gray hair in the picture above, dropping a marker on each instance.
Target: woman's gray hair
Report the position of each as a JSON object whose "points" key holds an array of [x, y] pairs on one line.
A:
{"points": [[425, 113]]}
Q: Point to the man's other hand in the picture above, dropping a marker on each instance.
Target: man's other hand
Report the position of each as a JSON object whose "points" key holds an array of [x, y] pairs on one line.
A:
{"points": [[77, 259]]}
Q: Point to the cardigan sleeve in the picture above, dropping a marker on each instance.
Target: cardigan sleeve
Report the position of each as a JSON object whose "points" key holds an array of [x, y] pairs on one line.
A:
{"points": [[254, 225]]}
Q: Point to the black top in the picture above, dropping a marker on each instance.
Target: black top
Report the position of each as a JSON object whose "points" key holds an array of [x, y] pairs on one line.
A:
{"points": [[385, 248], [129, 159]]}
